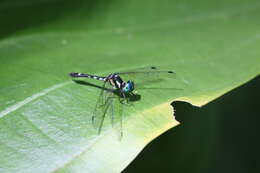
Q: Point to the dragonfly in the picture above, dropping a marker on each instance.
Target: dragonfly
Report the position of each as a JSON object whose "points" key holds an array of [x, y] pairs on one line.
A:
{"points": [[117, 92]]}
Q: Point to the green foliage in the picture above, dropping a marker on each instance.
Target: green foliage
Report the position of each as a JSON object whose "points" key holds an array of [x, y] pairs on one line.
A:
{"points": [[45, 123]]}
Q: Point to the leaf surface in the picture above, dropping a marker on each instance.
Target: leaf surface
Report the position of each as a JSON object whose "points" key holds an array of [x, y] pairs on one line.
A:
{"points": [[45, 118]]}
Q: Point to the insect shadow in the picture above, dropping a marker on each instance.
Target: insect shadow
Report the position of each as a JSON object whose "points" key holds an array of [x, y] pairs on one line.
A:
{"points": [[131, 97]]}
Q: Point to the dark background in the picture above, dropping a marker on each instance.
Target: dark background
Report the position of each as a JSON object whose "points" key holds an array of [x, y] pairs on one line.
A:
{"points": [[222, 136]]}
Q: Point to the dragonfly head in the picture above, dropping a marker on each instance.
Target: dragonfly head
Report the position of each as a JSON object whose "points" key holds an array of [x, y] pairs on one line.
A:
{"points": [[129, 86]]}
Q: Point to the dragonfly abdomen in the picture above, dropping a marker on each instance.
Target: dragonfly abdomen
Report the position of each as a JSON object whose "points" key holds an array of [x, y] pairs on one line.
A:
{"points": [[88, 76]]}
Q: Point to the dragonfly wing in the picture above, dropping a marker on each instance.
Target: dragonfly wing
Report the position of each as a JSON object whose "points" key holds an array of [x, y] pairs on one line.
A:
{"points": [[116, 114], [102, 107], [147, 75], [119, 111], [109, 104]]}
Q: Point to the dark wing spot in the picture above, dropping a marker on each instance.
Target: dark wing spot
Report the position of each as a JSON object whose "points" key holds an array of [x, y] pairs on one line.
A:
{"points": [[153, 67], [170, 72]]}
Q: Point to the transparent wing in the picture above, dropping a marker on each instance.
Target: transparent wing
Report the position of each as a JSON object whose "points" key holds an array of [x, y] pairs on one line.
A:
{"points": [[116, 114], [147, 75], [103, 104], [109, 104]]}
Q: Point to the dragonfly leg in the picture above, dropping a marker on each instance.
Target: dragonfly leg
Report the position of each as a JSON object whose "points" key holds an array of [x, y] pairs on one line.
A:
{"points": [[123, 97]]}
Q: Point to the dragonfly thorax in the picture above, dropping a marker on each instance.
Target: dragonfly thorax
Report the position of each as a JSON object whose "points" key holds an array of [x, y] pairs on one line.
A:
{"points": [[117, 82]]}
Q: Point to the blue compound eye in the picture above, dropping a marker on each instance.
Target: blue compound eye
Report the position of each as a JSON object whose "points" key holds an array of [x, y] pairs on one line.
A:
{"points": [[126, 88], [129, 87]]}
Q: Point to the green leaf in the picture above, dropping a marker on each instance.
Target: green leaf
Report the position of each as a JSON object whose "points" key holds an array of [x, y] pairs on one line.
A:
{"points": [[45, 118]]}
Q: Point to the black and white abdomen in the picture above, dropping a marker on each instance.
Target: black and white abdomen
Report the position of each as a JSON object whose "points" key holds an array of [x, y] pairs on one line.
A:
{"points": [[88, 76], [114, 79]]}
